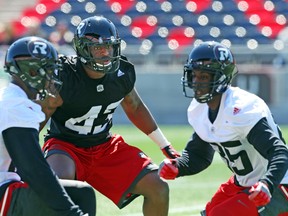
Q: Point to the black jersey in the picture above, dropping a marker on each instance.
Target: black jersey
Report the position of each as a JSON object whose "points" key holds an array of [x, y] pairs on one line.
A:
{"points": [[85, 116]]}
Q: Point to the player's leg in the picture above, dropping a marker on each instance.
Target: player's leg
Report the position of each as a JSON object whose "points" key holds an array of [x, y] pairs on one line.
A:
{"points": [[146, 180], [230, 199], [155, 192], [7, 191], [26, 202], [122, 172], [82, 194], [62, 165], [59, 157], [21, 200], [63, 158], [114, 168], [238, 205]]}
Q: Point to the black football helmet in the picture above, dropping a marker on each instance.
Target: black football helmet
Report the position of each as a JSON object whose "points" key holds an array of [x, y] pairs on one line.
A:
{"points": [[210, 57], [35, 61], [95, 33]]}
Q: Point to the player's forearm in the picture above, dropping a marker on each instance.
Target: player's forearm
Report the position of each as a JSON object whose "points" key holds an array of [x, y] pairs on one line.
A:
{"points": [[190, 163], [277, 167], [271, 147], [196, 156], [143, 120]]}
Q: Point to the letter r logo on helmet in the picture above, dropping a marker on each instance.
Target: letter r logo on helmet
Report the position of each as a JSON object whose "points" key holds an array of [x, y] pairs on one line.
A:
{"points": [[39, 46], [223, 54], [38, 49]]}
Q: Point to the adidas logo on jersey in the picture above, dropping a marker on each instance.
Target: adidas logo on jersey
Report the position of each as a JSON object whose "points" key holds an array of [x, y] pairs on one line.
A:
{"points": [[120, 73], [236, 110]]}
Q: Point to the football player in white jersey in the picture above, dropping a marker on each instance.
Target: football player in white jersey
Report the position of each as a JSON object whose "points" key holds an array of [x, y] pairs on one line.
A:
{"points": [[27, 184], [240, 127]]}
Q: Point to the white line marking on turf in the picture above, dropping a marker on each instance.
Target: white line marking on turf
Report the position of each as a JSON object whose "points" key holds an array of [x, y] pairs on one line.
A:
{"points": [[178, 210]]}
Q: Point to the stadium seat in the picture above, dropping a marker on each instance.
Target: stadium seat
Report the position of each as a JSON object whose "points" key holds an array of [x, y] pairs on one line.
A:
{"points": [[202, 16]]}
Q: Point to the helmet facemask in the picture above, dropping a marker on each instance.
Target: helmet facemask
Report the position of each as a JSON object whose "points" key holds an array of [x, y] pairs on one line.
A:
{"points": [[101, 55], [217, 85], [37, 77]]}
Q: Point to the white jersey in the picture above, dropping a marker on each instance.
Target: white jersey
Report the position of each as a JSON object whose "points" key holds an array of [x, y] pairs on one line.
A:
{"points": [[16, 110], [238, 113]]}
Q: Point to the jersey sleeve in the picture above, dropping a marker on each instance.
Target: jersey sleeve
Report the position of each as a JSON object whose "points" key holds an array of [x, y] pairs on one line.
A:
{"points": [[271, 147], [129, 69], [21, 112], [196, 156]]}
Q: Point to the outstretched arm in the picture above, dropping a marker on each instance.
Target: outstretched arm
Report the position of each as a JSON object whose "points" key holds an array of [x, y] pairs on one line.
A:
{"points": [[196, 156], [139, 114]]}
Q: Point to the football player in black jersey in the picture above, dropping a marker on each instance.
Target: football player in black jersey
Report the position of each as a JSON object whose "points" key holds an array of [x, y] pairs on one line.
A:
{"points": [[27, 184], [79, 144], [240, 127]]}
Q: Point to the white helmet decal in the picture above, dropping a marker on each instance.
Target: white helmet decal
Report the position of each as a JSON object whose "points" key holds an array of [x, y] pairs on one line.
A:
{"points": [[40, 47], [223, 53]]}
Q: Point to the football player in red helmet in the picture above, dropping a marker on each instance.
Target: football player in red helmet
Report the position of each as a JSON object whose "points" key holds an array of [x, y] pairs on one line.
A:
{"points": [[240, 127], [27, 184]]}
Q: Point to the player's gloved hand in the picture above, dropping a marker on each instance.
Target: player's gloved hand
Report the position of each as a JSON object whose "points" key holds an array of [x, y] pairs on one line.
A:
{"points": [[168, 169], [260, 194], [170, 152]]}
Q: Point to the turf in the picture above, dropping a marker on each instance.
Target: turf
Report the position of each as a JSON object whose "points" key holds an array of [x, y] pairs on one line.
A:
{"points": [[188, 194]]}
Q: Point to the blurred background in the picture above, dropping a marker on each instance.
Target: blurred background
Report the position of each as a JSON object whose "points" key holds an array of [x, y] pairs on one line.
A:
{"points": [[157, 36]]}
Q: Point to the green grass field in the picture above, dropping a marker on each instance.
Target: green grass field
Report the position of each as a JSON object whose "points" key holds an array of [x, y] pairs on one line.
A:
{"points": [[188, 194]]}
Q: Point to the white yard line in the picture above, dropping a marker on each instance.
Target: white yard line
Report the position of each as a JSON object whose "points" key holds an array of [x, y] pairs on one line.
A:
{"points": [[178, 210]]}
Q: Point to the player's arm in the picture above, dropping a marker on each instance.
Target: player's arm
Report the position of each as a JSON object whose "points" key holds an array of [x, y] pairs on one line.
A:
{"points": [[49, 106], [139, 114], [23, 147], [196, 157], [271, 147]]}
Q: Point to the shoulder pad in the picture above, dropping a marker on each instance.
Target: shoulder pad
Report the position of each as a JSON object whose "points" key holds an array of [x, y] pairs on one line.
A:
{"points": [[244, 109], [124, 58], [62, 58], [69, 61]]}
